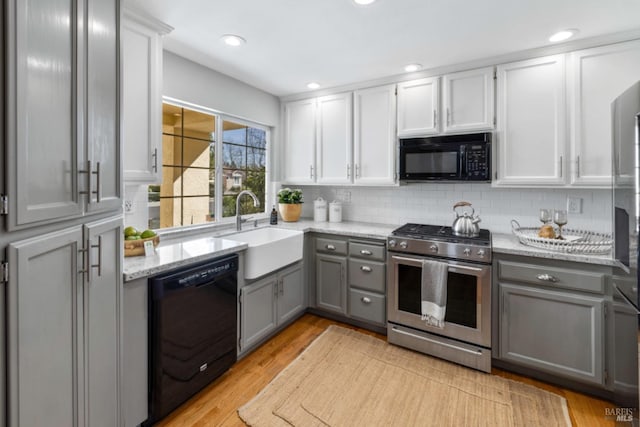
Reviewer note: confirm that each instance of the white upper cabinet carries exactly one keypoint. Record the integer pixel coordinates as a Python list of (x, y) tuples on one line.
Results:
[(374, 142), (299, 148), (599, 75), (418, 107), (467, 99), (142, 96), (334, 139), (531, 122), (63, 118)]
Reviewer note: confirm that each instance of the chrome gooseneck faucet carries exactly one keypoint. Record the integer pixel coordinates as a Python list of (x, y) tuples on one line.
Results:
[(239, 219)]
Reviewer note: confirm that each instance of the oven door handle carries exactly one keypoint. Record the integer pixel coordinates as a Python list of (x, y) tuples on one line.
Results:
[(451, 266), (444, 344)]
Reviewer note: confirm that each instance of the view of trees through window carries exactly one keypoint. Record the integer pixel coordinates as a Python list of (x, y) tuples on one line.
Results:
[(188, 193)]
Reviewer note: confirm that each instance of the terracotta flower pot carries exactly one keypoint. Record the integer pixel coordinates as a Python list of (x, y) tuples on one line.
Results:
[(290, 212)]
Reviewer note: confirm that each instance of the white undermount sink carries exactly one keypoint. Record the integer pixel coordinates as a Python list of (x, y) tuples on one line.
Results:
[(269, 249)]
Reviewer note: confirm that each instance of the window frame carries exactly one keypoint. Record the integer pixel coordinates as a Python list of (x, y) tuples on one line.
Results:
[(220, 118)]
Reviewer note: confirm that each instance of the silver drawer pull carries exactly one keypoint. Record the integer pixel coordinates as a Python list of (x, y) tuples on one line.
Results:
[(365, 268), (366, 300), (330, 247), (366, 252), (547, 278)]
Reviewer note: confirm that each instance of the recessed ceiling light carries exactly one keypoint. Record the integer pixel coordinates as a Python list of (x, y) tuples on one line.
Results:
[(562, 35), (313, 85), (363, 2), (412, 67), (233, 40)]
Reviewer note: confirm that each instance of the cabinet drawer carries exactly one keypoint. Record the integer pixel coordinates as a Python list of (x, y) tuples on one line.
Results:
[(331, 246), (556, 277), (367, 306), (368, 251), (367, 275)]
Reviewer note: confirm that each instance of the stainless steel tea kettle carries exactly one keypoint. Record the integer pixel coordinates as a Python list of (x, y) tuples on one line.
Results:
[(466, 224)]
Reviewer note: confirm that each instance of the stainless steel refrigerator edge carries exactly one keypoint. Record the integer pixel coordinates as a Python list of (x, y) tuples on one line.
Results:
[(626, 205)]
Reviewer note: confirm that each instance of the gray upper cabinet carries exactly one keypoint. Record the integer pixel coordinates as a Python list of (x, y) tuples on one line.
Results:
[(64, 293), (63, 133)]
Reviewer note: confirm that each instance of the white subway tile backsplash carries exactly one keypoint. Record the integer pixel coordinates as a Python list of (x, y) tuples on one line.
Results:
[(432, 203)]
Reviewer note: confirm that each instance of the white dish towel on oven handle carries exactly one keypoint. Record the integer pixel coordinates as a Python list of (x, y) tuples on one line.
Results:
[(434, 292)]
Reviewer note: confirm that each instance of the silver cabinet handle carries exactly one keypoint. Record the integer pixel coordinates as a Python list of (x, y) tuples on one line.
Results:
[(435, 116), (448, 117), (366, 268), (561, 166), (311, 171), (357, 171), (281, 286), (366, 300), (155, 160), (88, 172), (348, 171), (99, 247), (330, 247), (84, 251), (578, 167), (98, 193), (366, 252), (547, 278)]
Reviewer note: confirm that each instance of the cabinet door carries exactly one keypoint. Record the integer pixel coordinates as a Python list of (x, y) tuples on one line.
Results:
[(141, 98), (418, 107), (557, 332), (258, 311), (468, 100), (599, 76), (290, 294), (331, 289), (135, 357), (103, 110), (102, 321), (625, 349), (531, 122), (374, 143), (42, 112), (299, 142), (45, 330), (334, 139)]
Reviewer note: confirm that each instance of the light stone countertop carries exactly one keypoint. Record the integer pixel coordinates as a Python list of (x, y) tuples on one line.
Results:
[(176, 253), (180, 251)]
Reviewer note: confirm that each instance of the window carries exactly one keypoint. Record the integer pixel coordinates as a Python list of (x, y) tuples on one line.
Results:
[(201, 178)]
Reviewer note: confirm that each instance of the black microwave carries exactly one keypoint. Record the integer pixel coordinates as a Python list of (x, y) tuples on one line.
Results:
[(446, 158)]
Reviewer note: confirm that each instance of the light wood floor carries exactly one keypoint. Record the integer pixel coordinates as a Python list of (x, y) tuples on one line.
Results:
[(216, 405)]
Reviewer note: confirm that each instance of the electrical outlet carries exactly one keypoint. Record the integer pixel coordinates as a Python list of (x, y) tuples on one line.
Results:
[(574, 205), (128, 206)]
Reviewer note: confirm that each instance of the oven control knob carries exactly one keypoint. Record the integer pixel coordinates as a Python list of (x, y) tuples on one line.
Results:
[(403, 245), (466, 251), (481, 253), (434, 248), (392, 243)]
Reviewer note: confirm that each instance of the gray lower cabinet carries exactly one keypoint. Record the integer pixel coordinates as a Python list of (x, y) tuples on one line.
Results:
[(135, 354), (625, 349), (64, 327), (551, 318), (331, 283), (269, 303), (553, 331)]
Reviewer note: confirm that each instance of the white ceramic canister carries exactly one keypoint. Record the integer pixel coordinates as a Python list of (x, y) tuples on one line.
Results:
[(335, 211), (320, 210)]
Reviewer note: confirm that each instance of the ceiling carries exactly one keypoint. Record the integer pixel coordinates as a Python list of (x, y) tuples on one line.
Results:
[(336, 42)]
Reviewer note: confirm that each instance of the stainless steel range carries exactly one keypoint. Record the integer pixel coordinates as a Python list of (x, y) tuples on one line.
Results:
[(466, 335)]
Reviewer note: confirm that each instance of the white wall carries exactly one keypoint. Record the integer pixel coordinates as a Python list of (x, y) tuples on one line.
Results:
[(432, 203)]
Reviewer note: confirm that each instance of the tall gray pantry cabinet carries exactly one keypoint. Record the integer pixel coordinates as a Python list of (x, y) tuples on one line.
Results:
[(61, 239)]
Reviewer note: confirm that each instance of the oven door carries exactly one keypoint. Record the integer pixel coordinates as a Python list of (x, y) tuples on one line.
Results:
[(430, 162), (468, 311)]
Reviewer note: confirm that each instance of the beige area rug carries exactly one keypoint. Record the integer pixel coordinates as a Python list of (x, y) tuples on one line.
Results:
[(345, 378)]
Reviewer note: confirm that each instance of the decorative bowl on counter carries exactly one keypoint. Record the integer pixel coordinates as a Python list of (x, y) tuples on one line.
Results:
[(136, 247), (574, 241)]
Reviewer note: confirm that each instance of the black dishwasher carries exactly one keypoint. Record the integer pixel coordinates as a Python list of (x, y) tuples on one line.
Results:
[(192, 331)]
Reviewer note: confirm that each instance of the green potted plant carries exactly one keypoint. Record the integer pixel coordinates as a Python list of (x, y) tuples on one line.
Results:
[(290, 204)]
